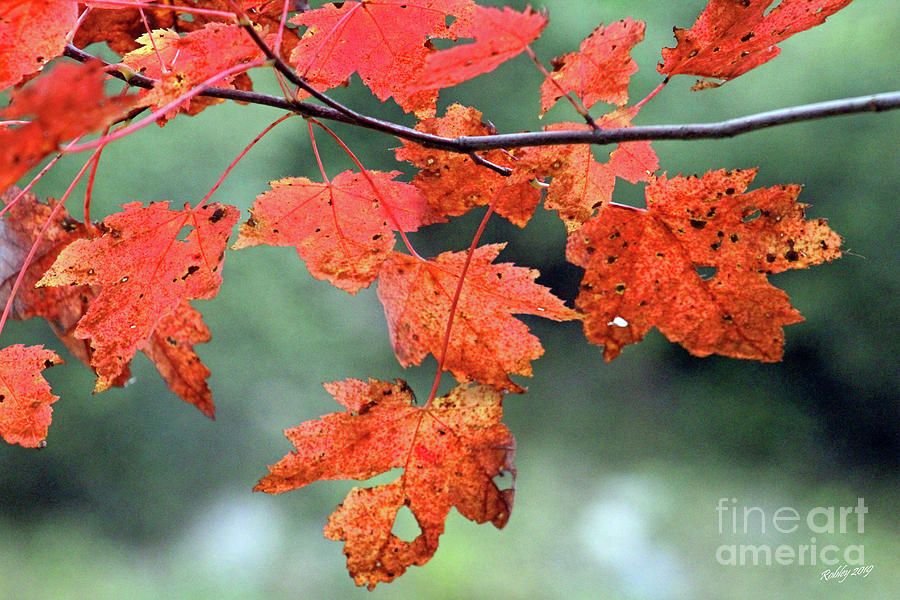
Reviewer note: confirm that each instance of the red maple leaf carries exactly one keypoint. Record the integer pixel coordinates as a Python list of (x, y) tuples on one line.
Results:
[(499, 36), (453, 184), (384, 41), (171, 348), (145, 272), (580, 185), (730, 37), (25, 396), (120, 27), (342, 228), (641, 266), (486, 343), (67, 104), (32, 33), (450, 453), (190, 60), (171, 345), (600, 70)]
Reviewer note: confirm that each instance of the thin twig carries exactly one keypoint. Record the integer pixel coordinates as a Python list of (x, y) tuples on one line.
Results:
[(466, 144)]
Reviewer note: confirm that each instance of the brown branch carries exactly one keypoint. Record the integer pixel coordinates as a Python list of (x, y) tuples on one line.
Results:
[(468, 144)]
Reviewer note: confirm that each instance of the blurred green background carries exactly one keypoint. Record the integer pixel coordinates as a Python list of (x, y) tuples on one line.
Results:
[(621, 465)]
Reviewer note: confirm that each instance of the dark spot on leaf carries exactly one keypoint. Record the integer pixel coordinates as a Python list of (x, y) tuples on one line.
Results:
[(792, 256), (611, 259), (171, 341), (770, 258), (620, 288), (217, 215), (191, 270), (728, 318), (48, 363), (733, 237), (747, 37), (698, 224)]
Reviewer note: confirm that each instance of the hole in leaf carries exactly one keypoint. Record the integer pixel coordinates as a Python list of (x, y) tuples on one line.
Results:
[(505, 481), (750, 214), (405, 526), (184, 232), (706, 273)]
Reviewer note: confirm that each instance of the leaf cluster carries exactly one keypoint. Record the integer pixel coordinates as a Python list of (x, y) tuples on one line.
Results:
[(126, 284)]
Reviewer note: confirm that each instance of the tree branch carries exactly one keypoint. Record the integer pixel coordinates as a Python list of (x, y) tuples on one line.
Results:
[(468, 144)]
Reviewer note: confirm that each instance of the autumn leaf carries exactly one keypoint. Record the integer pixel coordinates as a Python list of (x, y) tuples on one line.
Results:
[(580, 185), (499, 36), (450, 453), (189, 61), (171, 345), (120, 27), (343, 228), (730, 37), (66, 104), (171, 348), (453, 184), (645, 268), (25, 396), (32, 33), (385, 42), (145, 271), (486, 343), (600, 70)]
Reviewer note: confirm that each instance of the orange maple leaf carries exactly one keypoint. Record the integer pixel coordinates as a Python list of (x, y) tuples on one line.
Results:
[(453, 184), (171, 345), (343, 228), (641, 266), (188, 61), (486, 342), (450, 452), (60, 107), (499, 36), (171, 348), (386, 42), (25, 396), (730, 37), (580, 185), (145, 271), (32, 33), (600, 70)]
